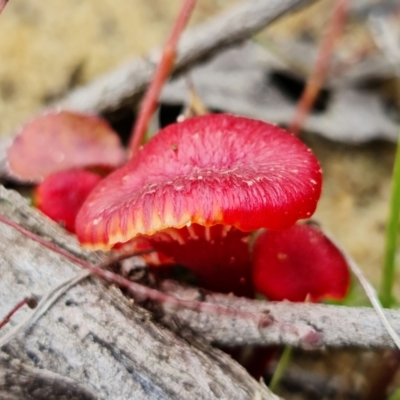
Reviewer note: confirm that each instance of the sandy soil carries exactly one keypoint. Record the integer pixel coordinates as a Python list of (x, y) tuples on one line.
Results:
[(49, 46)]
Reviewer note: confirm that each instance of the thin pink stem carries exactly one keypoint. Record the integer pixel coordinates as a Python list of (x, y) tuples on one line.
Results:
[(321, 65), (29, 301), (3, 3), (141, 291), (64, 253), (161, 74)]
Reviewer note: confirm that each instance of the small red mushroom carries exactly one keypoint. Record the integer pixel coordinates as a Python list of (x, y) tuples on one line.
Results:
[(58, 141), (61, 195), (298, 264), (204, 180)]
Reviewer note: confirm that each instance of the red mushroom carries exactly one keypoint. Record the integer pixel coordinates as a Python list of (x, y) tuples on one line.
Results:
[(61, 195), (298, 264), (204, 180), (63, 140)]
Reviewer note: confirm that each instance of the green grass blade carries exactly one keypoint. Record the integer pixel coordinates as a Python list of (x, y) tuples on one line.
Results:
[(388, 273)]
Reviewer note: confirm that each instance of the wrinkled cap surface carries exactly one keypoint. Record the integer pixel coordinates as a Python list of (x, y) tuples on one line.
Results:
[(213, 169), (299, 264), (63, 140)]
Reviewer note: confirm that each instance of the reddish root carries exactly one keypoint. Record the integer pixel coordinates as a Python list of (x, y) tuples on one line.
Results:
[(161, 74), (31, 302), (3, 4), (321, 65)]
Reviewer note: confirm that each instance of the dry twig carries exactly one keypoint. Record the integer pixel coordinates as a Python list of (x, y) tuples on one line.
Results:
[(126, 85), (305, 325)]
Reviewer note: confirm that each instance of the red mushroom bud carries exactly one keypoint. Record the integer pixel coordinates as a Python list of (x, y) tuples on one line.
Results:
[(299, 264), (58, 141), (61, 195), (218, 171)]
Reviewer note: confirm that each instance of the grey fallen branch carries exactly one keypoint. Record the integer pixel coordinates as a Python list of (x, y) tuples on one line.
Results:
[(304, 325), (125, 85), (19, 381), (241, 81), (93, 342)]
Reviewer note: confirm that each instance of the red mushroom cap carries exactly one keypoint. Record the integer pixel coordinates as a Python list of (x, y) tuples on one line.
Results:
[(297, 264), (209, 170), (61, 195), (63, 140)]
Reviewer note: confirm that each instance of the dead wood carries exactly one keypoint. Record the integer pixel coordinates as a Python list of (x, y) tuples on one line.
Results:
[(125, 85), (19, 381), (244, 80), (305, 325), (93, 335)]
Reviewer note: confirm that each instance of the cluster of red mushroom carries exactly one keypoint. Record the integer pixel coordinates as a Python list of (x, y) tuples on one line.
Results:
[(199, 192)]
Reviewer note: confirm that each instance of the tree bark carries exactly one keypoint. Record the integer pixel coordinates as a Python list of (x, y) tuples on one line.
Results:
[(93, 342), (303, 325)]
